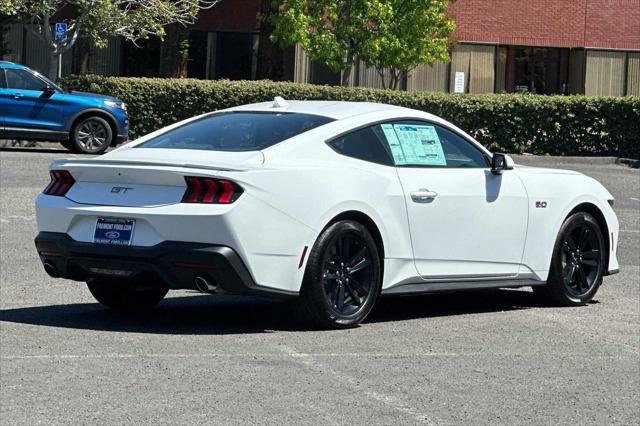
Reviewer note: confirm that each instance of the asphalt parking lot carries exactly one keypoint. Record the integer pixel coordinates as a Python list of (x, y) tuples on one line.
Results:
[(466, 358)]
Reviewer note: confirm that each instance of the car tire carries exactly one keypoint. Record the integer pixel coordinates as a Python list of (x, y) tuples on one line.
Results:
[(578, 263), (91, 135), (68, 145), (126, 295), (343, 276)]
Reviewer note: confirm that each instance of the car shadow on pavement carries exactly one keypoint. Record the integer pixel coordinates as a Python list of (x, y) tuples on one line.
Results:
[(219, 314), (60, 150), (455, 303)]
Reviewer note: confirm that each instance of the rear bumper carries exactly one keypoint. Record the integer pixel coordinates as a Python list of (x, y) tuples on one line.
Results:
[(174, 264)]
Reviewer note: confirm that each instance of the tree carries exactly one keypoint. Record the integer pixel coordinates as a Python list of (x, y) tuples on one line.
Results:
[(4, 30), (393, 35), (100, 19), (82, 56), (174, 51), (270, 60)]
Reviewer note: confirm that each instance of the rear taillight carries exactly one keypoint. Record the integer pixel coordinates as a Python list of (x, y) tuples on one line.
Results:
[(210, 191), (61, 182)]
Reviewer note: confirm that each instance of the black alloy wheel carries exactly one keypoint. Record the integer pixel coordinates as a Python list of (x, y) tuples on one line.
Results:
[(581, 258), (343, 276), (578, 262), (347, 267)]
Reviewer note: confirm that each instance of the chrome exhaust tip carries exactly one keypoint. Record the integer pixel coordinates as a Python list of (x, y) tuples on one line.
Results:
[(204, 284), (50, 269)]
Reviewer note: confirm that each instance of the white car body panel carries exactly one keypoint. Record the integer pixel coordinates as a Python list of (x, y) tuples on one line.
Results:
[(562, 190), (480, 226), (456, 234)]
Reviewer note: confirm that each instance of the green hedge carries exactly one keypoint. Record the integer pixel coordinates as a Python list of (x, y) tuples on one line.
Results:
[(557, 125)]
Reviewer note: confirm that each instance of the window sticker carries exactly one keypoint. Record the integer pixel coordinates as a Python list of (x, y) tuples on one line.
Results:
[(394, 144), (415, 145)]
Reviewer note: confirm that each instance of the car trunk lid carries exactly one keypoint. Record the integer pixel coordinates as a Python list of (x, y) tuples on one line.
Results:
[(148, 177)]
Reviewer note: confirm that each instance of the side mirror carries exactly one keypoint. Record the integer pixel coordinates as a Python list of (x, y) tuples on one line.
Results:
[(48, 91), (501, 162)]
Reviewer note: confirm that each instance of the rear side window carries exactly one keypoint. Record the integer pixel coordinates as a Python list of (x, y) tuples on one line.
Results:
[(366, 144), (237, 131)]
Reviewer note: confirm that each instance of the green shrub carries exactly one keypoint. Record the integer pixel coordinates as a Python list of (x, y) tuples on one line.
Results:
[(557, 125)]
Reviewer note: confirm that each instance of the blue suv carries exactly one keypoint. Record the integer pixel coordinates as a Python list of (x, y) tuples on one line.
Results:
[(34, 108)]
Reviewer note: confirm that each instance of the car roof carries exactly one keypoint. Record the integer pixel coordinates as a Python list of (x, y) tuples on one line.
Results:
[(7, 64), (337, 110)]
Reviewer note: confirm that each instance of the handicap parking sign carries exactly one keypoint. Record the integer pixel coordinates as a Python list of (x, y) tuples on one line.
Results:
[(61, 30)]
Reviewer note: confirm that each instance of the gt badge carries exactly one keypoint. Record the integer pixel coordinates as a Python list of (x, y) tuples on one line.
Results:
[(541, 204), (120, 189)]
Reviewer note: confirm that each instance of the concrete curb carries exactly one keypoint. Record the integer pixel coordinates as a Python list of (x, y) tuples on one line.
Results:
[(629, 162), (7, 143), (551, 159), (564, 159)]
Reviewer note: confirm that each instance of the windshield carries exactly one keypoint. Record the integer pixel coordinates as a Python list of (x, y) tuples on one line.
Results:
[(47, 81), (237, 131)]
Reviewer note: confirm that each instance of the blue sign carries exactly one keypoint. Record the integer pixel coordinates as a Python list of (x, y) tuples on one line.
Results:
[(61, 30), (114, 231)]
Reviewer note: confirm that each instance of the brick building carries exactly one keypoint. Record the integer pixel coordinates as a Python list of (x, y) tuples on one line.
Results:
[(587, 47), (555, 46)]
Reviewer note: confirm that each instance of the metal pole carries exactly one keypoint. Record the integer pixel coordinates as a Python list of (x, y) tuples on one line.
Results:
[(59, 66)]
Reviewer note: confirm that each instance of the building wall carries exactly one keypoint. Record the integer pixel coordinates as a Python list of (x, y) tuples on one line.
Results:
[(601, 41), (230, 15), (476, 61), (633, 74), (430, 78), (610, 24), (605, 75)]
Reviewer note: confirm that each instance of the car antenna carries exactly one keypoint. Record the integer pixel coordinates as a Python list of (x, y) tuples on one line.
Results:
[(279, 102)]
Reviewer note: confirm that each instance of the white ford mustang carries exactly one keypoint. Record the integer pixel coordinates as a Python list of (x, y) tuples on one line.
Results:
[(332, 202)]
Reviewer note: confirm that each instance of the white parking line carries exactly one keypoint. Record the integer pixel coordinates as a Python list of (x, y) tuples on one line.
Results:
[(630, 230), (11, 218), (634, 199), (299, 355), (389, 400)]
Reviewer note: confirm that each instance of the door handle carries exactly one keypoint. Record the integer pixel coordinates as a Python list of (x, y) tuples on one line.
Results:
[(17, 95), (423, 195)]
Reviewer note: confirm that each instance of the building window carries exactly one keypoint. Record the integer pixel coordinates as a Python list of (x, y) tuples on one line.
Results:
[(540, 70), (197, 64), (234, 54)]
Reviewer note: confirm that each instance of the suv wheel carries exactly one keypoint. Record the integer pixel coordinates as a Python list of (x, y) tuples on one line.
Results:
[(91, 135)]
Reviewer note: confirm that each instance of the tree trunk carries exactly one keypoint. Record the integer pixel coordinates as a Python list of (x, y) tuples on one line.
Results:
[(81, 56), (52, 74), (346, 73), (395, 79), (174, 52), (270, 55), (380, 72)]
